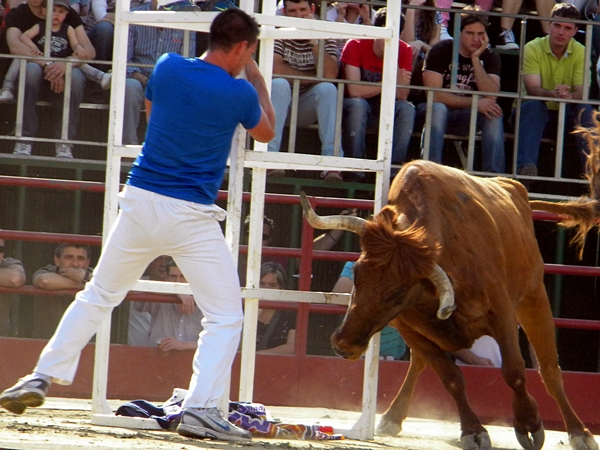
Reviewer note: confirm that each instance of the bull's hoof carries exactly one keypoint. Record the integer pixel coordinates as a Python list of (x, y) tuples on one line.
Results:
[(479, 441), (532, 441), (386, 428), (583, 441)]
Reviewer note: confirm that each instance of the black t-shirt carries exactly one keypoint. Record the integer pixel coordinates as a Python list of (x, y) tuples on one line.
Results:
[(281, 323), (439, 59), (23, 18)]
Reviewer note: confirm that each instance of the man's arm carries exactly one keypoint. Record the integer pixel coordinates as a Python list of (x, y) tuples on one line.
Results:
[(485, 82), (280, 67), (12, 276), (88, 49), (15, 45), (352, 73), (330, 62), (71, 278), (265, 130), (403, 77), (436, 80)]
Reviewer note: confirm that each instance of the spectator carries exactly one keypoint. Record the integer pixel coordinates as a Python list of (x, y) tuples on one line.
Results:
[(71, 270), (139, 321), (318, 100), (362, 60), (421, 28), (46, 77), (174, 326), (478, 70), (64, 44), (81, 6), (100, 27), (276, 328), (552, 67), (346, 12), (12, 275), (391, 344)]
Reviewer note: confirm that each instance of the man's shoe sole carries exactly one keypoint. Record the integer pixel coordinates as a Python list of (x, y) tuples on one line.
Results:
[(208, 433), (18, 404)]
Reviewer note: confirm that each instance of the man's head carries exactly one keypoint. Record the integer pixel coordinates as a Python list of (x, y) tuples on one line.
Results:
[(299, 8), (379, 20), (174, 273), (72, 255), (561, 33), (272, 276), (268, 228), (156, 270), (473, 30), (234, 34)]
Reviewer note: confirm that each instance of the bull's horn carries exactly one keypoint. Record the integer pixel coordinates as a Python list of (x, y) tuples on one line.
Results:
[(441, 282), (348, 223)]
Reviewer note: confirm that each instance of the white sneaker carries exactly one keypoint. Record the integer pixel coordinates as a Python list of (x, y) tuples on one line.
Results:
[(64, 151), (105, 82), (506, 41), (6, 94), (22, 148)]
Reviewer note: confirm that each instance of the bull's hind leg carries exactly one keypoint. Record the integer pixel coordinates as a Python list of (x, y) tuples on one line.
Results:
[(391, 421), (536, 319)]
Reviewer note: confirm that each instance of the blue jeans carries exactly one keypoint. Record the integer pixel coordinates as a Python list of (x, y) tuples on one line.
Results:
[(35, 85), (134, 101), (318, 104), (102, 36), (534, 118), (457, 120), (360, 114)]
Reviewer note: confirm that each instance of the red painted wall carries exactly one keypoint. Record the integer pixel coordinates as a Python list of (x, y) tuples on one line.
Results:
[(308, 381)]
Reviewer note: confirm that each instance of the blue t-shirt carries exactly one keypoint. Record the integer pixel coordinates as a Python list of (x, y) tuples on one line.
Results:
[(196, 107)]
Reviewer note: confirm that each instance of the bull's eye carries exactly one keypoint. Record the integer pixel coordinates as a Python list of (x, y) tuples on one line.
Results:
[(394, 297)]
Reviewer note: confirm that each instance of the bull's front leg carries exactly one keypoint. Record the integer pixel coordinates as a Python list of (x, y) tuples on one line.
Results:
[(391, 421)]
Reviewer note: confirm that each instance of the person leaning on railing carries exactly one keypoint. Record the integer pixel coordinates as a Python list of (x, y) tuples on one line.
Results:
[(12, 275), (552, 67)]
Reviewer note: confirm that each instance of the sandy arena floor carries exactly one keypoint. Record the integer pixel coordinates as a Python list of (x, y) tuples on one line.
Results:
[(64, 424)]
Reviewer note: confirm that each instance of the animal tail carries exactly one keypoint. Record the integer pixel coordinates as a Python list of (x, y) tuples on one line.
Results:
[(582, 214)]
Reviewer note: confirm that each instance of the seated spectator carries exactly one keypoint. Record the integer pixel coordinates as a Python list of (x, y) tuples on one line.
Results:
[(391, 344), (81, 6), (421, 28), (174, 326), (71, 270), (347, 12), (552, 67), (484, 352), (362, 60), (276, 328), (46, 78), (318, 100), (139, 321), (478, 70), (12, 275), (100, 27)]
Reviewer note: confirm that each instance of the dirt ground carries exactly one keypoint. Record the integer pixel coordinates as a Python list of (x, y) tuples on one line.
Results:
[(65, 424)]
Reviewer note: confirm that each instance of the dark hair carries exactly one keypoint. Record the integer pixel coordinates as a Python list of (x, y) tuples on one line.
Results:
[(266, 221), (277, 269), (380, 17), (170, 263), (231, 27), (566, 11), (468, 18), (310, 2), (60, 248)]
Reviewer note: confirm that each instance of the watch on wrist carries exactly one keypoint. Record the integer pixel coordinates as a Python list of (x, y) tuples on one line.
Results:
[(49, 63)]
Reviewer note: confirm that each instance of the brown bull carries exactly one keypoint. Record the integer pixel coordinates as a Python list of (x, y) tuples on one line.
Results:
[(480, 232)]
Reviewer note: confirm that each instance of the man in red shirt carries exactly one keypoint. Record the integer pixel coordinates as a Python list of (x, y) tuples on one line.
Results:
[(362, 60)]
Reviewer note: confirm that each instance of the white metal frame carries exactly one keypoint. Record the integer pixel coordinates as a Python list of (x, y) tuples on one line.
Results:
[(272, 27)]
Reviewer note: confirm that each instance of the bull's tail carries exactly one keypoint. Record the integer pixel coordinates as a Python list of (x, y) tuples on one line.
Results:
[(584, 213)]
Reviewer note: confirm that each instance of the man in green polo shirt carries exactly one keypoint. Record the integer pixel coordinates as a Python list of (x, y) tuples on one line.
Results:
[(552, 67)]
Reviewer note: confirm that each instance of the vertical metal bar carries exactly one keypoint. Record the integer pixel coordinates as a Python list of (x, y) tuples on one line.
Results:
[(293, 129), (426, 137), (560, 137), (472, 132), (337, 140)]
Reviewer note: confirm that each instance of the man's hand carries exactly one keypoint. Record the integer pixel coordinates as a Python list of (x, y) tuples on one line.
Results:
[(140, 77), (403, 76), (186, 307), (55, 74), (170, 343), (484, 44), (109, 17), (562, 91), (489, 108), (341, 7), (76, 274), (365, 13)]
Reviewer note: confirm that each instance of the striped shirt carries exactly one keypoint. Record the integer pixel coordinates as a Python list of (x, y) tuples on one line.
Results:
[(147, 44), (299, 55)]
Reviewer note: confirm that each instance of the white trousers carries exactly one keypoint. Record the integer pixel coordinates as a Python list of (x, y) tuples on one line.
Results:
[(150, 225)]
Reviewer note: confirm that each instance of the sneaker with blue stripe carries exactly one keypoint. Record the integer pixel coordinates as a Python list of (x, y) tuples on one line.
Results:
[(28, 392)]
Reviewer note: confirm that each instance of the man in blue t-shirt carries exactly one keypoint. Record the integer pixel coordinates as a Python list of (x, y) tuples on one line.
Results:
[(167, 208)]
